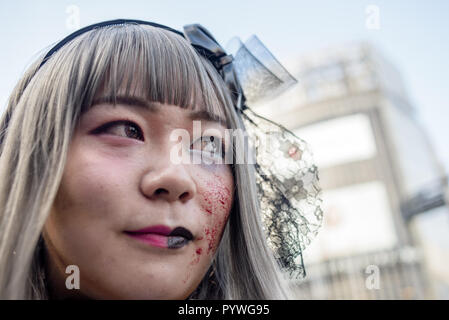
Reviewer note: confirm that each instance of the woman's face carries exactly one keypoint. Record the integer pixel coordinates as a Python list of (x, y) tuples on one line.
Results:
[(120, 179)]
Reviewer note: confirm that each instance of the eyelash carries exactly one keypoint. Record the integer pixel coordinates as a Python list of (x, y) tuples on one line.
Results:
[(109, 125)]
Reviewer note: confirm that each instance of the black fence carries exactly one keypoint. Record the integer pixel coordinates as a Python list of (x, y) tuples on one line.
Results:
[(390, 274)]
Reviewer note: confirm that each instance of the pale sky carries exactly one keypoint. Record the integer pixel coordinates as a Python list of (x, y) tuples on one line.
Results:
[(413, 35)]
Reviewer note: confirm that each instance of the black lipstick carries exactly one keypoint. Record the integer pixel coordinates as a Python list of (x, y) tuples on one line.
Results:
[(179, 237)]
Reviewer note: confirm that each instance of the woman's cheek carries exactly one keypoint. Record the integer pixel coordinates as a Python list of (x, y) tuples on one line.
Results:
[(88, 183), (216, 198), (216, 201)]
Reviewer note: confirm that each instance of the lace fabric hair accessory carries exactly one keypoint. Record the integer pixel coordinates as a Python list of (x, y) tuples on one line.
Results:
[(288, 190), (286, 176)]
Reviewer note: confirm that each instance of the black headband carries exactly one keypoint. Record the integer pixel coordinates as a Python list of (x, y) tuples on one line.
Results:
[(75, 34), (200, 39)]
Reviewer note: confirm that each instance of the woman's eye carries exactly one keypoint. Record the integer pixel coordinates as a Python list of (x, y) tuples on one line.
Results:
[(211, 145), (123, 128)]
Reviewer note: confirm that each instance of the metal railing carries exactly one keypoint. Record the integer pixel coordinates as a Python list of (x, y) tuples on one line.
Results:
[(388, 274)]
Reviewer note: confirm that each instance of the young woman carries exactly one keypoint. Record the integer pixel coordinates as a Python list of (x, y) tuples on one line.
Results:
[(89, 188)]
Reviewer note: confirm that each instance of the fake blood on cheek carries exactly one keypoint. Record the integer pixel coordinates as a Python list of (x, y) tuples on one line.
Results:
[(217, 200), (213, 234), (195, 259), (217, 197)]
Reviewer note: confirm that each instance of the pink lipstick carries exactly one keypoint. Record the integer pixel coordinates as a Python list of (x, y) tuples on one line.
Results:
[(162, 236)]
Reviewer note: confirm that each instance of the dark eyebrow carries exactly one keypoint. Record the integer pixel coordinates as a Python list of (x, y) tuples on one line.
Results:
[(154, 107)]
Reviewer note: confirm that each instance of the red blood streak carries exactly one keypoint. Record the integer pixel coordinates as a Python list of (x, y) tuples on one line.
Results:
[(198, 251), (217, 202), (217, 198), (213, 234), (196, 259)]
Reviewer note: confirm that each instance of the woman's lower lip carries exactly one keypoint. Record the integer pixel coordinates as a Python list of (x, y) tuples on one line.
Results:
[(159, 240)]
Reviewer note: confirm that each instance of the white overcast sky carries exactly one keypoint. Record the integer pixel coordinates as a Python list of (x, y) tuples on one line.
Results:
[(413, 35)]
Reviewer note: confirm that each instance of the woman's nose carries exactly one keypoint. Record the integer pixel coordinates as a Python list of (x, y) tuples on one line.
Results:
[(171, 182)]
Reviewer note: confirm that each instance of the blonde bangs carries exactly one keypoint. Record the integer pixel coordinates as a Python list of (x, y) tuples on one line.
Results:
[(149, 63)]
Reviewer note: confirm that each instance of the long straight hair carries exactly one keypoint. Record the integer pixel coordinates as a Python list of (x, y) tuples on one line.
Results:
[(36, 131)]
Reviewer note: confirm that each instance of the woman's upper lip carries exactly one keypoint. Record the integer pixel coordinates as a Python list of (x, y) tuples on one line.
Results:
[(159, 229), (165, 231)]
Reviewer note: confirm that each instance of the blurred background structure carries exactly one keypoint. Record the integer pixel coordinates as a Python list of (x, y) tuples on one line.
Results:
[(380, 177), (386, 222)]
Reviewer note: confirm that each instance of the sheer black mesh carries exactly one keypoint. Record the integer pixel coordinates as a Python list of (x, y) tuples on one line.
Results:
[(260, 74), (288, 190), (287, 177)]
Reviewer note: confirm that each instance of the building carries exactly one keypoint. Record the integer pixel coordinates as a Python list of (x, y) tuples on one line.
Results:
[(376, 165)]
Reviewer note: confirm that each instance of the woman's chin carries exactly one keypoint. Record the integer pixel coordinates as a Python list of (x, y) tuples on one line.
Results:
[(164, 288)]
